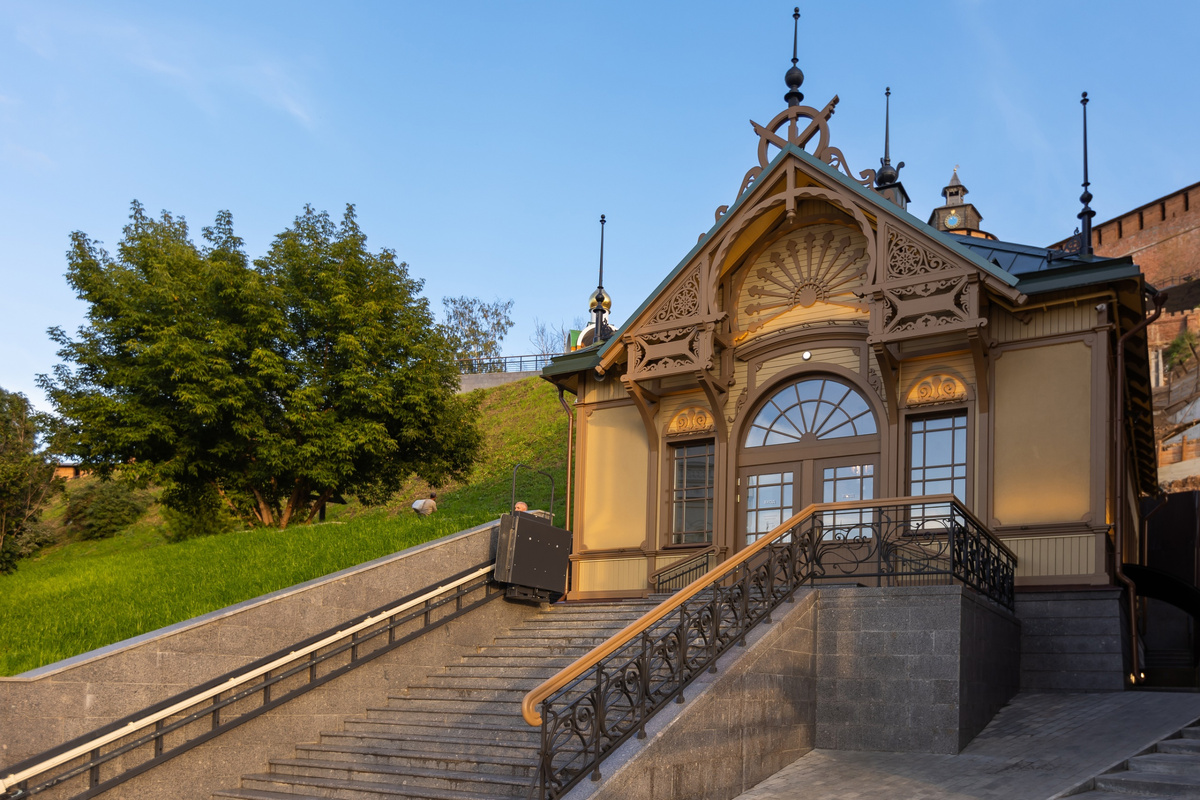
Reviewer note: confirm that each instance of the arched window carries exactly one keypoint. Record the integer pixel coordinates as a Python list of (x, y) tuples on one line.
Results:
[(811, 409)]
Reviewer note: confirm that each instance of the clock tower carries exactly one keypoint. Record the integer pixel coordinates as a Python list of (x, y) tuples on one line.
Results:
[(957, 216)]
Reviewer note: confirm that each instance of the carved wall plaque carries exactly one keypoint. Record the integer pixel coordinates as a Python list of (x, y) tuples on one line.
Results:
[(692, 419), (937, 388)]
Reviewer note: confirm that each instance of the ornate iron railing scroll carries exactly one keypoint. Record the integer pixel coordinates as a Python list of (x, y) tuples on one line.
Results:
[(104, 758), (674, 577), (591, 707)]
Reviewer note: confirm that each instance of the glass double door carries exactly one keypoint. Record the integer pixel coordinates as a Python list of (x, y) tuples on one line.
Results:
[(769, 494)]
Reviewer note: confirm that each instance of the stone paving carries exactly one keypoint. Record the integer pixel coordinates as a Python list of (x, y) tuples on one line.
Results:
[(1037, 746)]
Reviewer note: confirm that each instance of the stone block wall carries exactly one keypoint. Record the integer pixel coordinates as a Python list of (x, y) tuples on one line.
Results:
[(753, 717), (45, 707), (1071, 641), (919, 669)]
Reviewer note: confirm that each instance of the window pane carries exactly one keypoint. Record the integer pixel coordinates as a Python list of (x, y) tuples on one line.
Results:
[(692, 493), (826, 408)]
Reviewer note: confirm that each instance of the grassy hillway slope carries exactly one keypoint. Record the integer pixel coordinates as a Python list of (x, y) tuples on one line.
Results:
[(81, 595)]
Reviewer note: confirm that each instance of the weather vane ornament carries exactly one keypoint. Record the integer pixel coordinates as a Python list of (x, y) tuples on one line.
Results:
[(817, 125)]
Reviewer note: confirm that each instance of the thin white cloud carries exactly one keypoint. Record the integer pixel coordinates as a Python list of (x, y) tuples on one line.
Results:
[(26, 158), (181, 59)]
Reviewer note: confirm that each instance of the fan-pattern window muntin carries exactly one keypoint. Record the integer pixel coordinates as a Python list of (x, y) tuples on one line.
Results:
[(818, 408)]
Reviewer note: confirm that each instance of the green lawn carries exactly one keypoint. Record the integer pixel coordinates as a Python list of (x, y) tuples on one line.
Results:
[(86, 594)]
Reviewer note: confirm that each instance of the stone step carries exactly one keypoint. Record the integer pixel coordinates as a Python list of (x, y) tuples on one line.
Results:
[(459, 718), (449, 708), (1179, 746), (1167, 763), (461, 690), (1150, 783), (260, 794), (558, 639), (449, 758), (448, 787), (434, 741), (1095, 795), (493, 671), (421, 774), (1191, 733), (435, 725)]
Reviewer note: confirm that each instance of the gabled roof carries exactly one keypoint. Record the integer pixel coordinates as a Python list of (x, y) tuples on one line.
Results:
[(868, 196)]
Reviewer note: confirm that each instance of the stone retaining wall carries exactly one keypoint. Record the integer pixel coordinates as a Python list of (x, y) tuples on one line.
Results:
[(45, 707)]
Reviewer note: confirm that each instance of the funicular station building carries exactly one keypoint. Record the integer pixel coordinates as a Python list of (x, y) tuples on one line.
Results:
[(820, 344)]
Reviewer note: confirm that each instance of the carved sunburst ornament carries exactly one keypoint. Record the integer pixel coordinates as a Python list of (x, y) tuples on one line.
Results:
[(815, 267)]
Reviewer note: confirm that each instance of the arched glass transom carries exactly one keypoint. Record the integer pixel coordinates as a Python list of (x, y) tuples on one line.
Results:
[(812, 408)]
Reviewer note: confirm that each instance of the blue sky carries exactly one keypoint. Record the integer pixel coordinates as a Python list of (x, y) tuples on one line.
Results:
[(482, 142)]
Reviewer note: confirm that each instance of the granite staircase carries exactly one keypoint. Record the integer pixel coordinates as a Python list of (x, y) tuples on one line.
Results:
[(456, 735), (1169, 769)]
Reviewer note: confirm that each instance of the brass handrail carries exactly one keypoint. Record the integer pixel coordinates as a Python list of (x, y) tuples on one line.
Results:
[(529, 705)]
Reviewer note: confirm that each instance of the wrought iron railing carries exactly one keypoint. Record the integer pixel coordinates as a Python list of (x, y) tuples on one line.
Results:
[(128, 747), (529, 363), (593, 706), (674, 577)]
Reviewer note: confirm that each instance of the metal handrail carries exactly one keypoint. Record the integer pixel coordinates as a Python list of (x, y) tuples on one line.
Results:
[(592, 706), (685, 564), (154, 719), (525, 363), (572, 671)]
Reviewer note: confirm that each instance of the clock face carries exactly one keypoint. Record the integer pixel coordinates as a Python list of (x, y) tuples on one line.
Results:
[(952, 221)]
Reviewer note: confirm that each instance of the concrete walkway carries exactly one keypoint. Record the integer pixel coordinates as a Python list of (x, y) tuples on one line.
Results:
[(1037, 746)]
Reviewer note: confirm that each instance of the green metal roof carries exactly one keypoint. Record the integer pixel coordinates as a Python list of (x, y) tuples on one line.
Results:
[(568, 363), (1079, 274)]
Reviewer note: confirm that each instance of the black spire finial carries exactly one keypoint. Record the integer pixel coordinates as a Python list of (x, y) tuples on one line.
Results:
[(1085, 235), (794, 77), (887, 174), (600, 302)]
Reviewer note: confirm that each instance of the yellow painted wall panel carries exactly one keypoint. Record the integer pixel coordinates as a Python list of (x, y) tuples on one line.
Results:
[(1042, 434), (609, 389), (913, 370), (617, 574), (615, 475), (1039, 556), (1008, 327), (846, 357)]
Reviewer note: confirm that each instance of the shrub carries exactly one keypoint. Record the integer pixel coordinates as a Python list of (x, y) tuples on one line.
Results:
[(97, 510)]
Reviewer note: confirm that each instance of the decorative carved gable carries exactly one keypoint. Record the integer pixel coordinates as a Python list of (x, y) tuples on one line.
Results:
[(923, 292), (816, 272), (677, 337)]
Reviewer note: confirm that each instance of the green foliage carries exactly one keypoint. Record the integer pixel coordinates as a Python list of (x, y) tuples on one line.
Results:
[(99, 509), (26, 476), (94, 593), (1181, 349), (86, 594), (477, 328), (264, 388)]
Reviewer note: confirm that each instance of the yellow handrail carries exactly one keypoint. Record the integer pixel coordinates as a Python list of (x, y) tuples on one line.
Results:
[(529, 705)]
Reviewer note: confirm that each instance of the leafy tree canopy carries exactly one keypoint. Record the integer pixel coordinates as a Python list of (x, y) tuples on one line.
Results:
[(477, 328), (26, 476), (267, 387)]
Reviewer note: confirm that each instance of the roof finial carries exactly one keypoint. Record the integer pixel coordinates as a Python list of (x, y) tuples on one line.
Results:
[(887, 174), (794, 77), (600, 302), (1085, 235)]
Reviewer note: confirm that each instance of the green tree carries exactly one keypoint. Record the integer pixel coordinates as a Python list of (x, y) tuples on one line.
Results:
[(26, 476), (266, 387), (477, 328), (1181, 349)]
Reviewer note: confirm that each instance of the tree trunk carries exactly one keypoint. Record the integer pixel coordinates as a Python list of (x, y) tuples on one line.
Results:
[(316, 507), (299, 493), (264, 509)]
